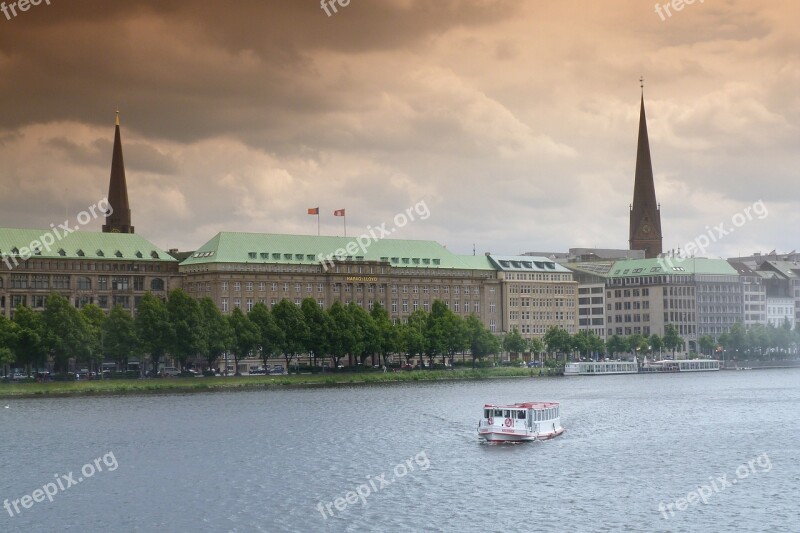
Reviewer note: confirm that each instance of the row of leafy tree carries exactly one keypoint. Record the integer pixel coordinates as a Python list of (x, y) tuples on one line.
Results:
[(587, 343), (757, 341), (188, 329)]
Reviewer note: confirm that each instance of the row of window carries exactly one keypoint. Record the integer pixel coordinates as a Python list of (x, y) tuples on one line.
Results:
[(456, 306), (82, 283)]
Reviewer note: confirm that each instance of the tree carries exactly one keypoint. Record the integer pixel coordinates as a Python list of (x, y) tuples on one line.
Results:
[(153, 328), (413, 335), (186, 321), (365, 333), (28, 342), (341, 337), (482, 342), (387, 335), (616, 344), (245, 336), (66, 333), (557, 340), (8, 333), (536, 346), (457, 336), (94, 317), (672, 341), (290, 320), (513, 342), (120, 340), (270, 335), (218, 331), (656, 343), (706, 343)]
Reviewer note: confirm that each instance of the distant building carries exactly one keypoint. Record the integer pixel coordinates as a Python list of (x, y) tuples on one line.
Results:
[(697, 295), (754, 295), (591, 278), (537, 294)]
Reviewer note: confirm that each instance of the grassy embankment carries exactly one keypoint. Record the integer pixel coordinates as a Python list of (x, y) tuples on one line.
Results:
[(204, 384)]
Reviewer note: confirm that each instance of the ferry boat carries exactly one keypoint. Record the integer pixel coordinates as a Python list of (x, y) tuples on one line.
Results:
[(601, 368), (520, 422), (682, 365)]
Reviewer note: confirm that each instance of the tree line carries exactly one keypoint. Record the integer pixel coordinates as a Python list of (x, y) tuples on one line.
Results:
[(189, 330)]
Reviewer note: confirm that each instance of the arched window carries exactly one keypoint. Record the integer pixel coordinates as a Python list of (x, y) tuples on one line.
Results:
[(84, 284), (157, 284), (1, 283)]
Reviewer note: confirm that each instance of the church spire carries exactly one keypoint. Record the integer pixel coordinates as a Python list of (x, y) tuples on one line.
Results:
[(119, 218), (645, 213)]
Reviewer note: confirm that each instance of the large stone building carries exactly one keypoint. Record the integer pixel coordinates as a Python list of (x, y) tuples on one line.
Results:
[(105, 269), (537, 294), (242, 269), (695, 295)]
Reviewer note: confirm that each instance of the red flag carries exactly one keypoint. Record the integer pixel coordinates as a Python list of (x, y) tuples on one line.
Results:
[(313, 210), (338, 213)]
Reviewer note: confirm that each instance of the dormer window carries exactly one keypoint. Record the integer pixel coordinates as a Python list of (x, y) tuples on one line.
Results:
[(99, 253), (154, 254), (138, 254), (118, 253), (61, 252), (80, 253)]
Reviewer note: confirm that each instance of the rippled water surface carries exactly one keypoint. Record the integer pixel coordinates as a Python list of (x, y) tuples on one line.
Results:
[(273, 460)]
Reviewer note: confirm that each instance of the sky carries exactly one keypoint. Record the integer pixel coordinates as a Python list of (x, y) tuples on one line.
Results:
[(514, 123)]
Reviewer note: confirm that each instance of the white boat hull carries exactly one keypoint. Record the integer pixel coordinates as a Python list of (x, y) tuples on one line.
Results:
[(499, 435)]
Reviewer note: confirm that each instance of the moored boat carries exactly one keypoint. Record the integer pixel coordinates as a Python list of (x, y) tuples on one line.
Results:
[(681, 365), (520, 422)]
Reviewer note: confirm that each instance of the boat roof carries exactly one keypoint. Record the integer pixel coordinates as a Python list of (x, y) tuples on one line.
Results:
[(526, 405)]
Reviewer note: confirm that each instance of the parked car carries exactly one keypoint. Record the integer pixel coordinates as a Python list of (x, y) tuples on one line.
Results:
[(256, 371), (534, 364), (169, 372), (277, 370)]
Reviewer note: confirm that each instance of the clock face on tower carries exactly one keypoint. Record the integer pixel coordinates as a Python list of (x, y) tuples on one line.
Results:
[(646, 228), (115, 230)]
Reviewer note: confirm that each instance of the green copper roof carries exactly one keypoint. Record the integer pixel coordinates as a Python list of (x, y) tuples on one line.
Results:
[(231, 247), (672, 265), (526, 263), (53, 243)]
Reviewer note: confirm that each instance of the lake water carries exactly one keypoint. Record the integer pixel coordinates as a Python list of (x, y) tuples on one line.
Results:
[(724, 447)]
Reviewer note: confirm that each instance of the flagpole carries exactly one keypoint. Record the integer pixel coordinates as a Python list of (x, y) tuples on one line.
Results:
[(318, 222), (344, 219)]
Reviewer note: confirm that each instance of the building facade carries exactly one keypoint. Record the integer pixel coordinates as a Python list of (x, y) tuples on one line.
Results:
[(242, 269), (537, 294), (104, 269)]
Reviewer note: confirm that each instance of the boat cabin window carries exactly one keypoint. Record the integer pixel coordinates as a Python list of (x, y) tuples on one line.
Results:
[(498, 413), (487, 413), (506, 413), (521, 415)]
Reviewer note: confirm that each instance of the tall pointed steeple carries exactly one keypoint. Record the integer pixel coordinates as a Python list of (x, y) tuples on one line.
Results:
[(118, 220), (645, 221)]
